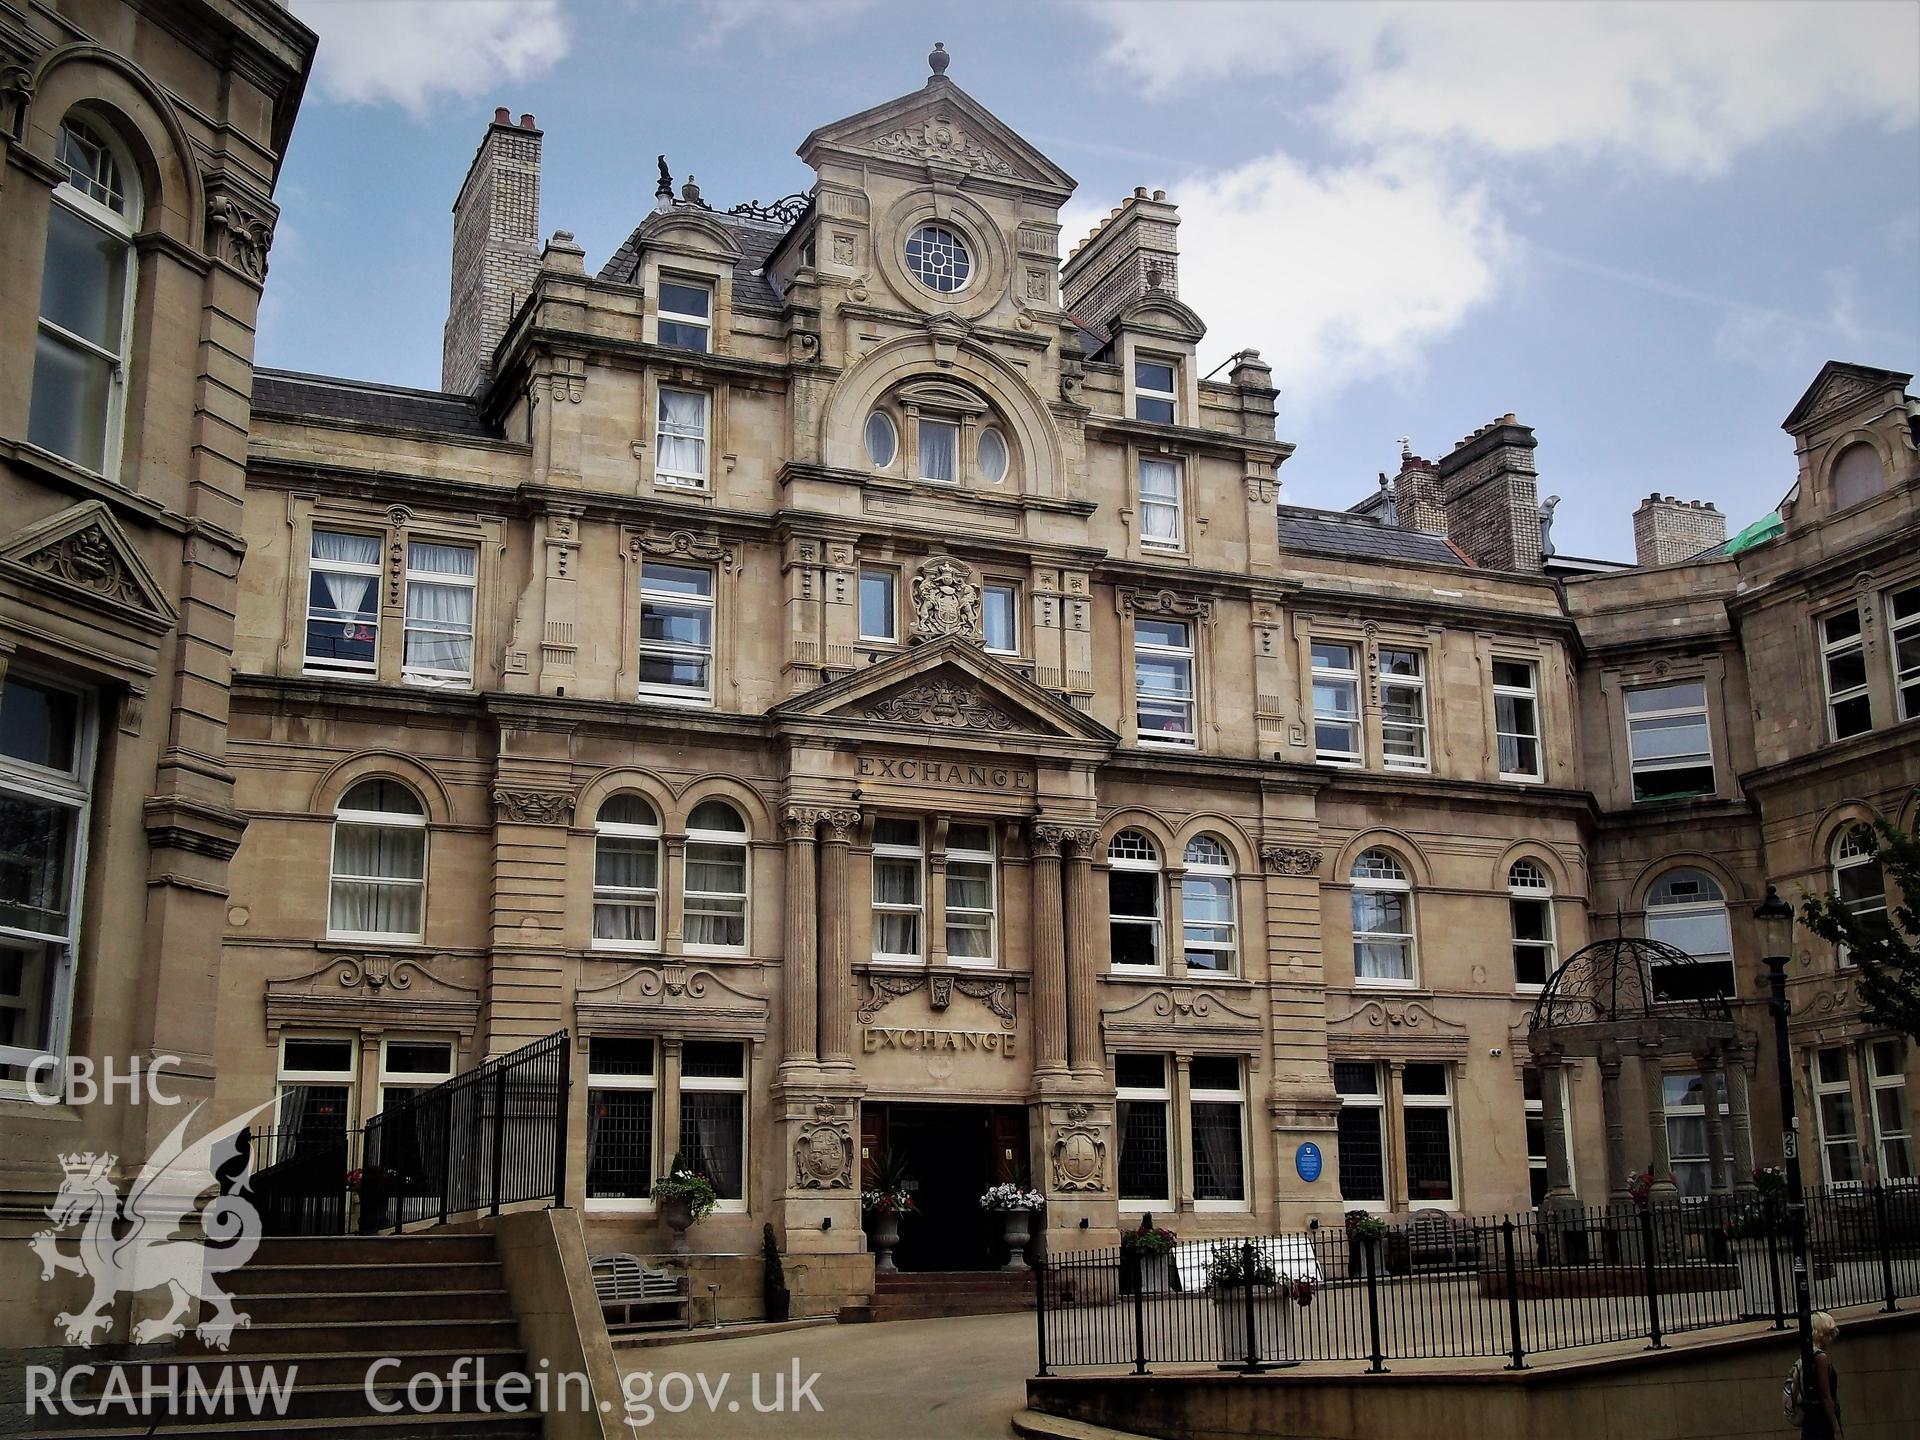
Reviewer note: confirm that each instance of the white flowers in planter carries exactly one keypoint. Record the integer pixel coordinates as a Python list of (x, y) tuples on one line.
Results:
[(1011, 1197)]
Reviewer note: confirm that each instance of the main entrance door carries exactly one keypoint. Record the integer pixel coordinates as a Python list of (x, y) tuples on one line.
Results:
[(952, 1153)]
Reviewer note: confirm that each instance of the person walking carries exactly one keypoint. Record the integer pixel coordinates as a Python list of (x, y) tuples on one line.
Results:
[(1820, 1391)]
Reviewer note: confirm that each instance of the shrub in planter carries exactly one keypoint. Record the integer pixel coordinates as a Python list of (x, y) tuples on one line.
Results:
[(775, 1298)]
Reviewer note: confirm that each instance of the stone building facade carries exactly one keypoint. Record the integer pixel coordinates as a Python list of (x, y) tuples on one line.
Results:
[(842, 663)]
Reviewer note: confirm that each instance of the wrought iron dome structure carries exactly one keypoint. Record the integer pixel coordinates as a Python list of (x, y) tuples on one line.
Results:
[(1611, 983)]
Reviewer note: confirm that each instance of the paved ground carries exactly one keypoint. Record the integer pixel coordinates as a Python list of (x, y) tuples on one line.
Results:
[(958, 1379)]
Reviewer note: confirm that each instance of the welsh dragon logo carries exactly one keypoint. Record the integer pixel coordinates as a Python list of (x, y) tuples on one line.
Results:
[(127, 1246)]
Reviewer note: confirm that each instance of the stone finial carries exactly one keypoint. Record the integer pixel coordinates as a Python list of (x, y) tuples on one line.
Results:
[(690, 192), (938, 60), (664, 190)]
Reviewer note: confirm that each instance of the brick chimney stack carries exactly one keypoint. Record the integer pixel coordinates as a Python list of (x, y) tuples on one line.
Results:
[(1492, 497), (1419, 503), (496, 249), (1666, 530), (1134, 250)]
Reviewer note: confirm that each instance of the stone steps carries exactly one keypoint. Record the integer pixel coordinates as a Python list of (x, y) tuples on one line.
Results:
[(942, 1294)]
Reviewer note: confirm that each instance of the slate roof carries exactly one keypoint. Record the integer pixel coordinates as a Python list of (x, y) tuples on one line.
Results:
[(361, 402), (1338, 532), (756, 240)]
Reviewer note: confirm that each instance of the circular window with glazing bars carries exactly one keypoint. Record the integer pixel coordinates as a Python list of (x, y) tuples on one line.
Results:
[(938, 258)]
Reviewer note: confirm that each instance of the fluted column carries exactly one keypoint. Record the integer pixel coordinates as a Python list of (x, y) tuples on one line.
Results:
[(1611, 1106), (1083, 964), (1553, 1115), (1049, 951), (836, 965), (1741, 1115), (1659, 1157), (799, 1009), (1710, 1063)]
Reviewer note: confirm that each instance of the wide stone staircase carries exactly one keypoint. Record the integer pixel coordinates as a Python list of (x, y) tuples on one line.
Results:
[(937, 1294), (326, 1308)]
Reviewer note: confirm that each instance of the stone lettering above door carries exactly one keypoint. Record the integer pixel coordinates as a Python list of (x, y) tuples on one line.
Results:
[(875, 1038), (934, 773)]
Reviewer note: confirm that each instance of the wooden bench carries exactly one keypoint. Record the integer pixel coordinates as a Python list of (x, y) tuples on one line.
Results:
[(634, 1297)]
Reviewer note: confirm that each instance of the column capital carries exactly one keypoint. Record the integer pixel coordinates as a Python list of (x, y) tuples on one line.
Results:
[(1046, 837), (799, 821), (840, 823)]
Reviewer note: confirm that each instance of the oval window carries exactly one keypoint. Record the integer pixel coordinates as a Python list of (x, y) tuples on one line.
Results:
[(938, 258), (882, 439), (993, 456)]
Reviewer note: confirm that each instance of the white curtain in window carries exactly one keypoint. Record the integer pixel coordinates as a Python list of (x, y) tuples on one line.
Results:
[(1159, 501), (347, 548), (346, 594), (683, 432), (716, 908), (377, 885), (439, 626), (939, 444), (895, 933)]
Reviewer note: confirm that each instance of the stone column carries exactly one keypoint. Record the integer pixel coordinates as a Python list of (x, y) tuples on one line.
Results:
[(1083, 964), (1710, 1063), (1659, 1158), (1049, 952), (1740, 1113), (1396, 1135), (836, 965), (799, 1007), (1613, 1108), (1554, 1118)]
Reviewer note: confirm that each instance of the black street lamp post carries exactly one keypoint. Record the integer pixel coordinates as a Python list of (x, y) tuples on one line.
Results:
[(1776, 931)]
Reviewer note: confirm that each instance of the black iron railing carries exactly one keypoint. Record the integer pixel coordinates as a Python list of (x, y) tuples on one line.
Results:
[(1464, 1287), (494, 1136)]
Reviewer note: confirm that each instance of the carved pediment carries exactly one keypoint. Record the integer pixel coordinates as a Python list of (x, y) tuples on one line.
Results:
[(1190, 1012), (693, 997), (940, 125), (1839, 387), (943, 703), (82, 554), (379, 989), (1392, 1027)]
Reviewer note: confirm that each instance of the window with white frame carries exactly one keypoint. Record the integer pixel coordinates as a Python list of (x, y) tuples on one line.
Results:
[(1892, 1125), (1687, 910), (938, 446), (439, 623), (899, 889), (883, 439), (1685, 1096), (1000, 618), (994, 459), (1162, 515), (1668, 741), (1133, 902), (1832, 1077), (1154, 396), (46, 802), (1530, 913), (1216, 1105), (680, 438), (878, 612), (970, 894), (937, 257), (1426, 1113), (626, 874), (1144, 1098), (713, 1115), (1533, 1093), (1403, 708), (1336, 703), (1382, 921), (1163, 681), (412, 1067), (1859, 880), (1363, 1134), (1903, 626), (314, 1089), (1843, 666), (343, 603), (87, 284), (622, 1088), (676, 632), (686, 315), (714, 903), (1206, 906), (379, 884), (1516, 719)]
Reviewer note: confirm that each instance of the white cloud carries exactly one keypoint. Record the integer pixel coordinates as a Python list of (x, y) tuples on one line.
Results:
[(412, 52), (1681, 88)]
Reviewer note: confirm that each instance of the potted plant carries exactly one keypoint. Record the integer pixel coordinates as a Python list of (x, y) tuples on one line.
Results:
[(1241, 1275), (1146, 1256), (377, 1187), (1364, 1234), (685, 1198), (775, 1298), (888, 1196), (1016, 1206)]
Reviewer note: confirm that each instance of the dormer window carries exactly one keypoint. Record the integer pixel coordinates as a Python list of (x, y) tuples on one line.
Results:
[(938, 259), (1153, 393), (939, 451), (686, 315)]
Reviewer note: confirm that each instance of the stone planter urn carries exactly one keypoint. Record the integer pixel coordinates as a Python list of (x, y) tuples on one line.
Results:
[(677, 1212), (884, 1231), (1757, 1293), (1272, 1323), (1019, 1233), (1152, 1273)]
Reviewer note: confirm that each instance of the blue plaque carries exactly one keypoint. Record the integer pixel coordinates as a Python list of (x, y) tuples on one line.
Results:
[(1307, 1161)]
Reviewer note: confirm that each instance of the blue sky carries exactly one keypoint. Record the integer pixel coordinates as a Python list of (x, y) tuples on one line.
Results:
[(1639, 227)]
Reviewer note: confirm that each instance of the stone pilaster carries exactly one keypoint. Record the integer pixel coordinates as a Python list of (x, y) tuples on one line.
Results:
[(1084, 1050), (1049, 952), (1660, 1158), (1710, 1063), (1616, 1122), (799, 1008), (1553, 1117), (1740, 1113), (836, 965)]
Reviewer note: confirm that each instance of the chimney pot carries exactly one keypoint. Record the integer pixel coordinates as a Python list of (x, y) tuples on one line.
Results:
[(1159, 194), (502, 115), (526, 121)]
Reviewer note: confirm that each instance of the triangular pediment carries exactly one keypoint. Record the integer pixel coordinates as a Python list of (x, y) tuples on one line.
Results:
[(83, 554), (940, 124), (1838, 387), (948, 686)]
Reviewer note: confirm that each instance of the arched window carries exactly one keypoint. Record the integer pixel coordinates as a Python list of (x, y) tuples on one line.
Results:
[(1530, 908), (883, 440), (716, 893), (379, 887), (626, 874), (1687, 910), (1857, 474), (993, 456), (86, 299), (1859, 880), (1382, 921), (1133, 901), (1206, 905), (937, 257)]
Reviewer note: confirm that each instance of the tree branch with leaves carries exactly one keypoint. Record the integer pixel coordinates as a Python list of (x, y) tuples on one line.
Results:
[(1883, 946)]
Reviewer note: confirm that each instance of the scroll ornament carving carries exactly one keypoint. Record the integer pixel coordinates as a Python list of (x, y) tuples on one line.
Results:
[(86, 559), (1050, 837), (800, 821), (1412, 1015), (1166, 602), (379, 973), (840, 824), (534, 807), (883, 990), (945, 601), (955, 707), (823, 1152), (1291, 859), (683, 545), (940, 139), (239, 233)]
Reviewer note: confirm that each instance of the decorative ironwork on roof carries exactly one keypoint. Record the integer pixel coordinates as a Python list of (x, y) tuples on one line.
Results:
[(1627, 980)]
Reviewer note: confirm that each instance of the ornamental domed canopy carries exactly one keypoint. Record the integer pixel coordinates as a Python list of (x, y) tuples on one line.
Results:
[(1629, 982)]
